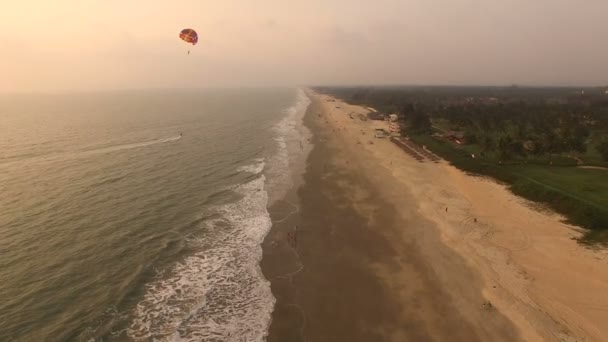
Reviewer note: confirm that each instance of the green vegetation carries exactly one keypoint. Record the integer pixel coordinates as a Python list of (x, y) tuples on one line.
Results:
[(586, 185), (602, 148), (532, 139), (582, 194)]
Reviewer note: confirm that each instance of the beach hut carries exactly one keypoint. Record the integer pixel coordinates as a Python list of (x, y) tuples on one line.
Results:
[(456, 136)]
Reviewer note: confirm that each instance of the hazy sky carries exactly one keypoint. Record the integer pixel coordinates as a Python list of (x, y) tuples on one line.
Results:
[(55, 45)]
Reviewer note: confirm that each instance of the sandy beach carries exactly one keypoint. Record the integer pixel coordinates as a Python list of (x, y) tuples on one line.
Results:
[(377, 246)]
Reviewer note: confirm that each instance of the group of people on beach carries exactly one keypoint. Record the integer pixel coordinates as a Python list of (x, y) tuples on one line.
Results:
[(292, 237)]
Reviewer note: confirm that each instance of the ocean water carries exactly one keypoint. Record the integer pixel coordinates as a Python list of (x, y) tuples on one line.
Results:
[(114, 227)]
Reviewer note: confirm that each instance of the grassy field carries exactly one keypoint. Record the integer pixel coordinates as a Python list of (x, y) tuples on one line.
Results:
[(579, 194), (589, 186)]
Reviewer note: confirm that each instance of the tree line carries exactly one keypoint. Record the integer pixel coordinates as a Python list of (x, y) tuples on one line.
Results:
[(520, 129)]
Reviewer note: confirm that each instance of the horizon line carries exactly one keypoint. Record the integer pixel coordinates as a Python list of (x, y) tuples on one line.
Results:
[(361, 85)]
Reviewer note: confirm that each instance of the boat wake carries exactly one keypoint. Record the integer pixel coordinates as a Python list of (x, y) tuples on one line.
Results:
[(51, 157), (129, 146)]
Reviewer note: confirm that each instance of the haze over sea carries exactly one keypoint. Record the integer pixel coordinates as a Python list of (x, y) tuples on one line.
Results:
[(115, 227)]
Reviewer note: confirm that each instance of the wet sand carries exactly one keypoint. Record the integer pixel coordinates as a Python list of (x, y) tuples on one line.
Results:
[(366, 263)]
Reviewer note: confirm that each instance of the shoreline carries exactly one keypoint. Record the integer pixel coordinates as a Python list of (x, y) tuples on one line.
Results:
[(280, 261)]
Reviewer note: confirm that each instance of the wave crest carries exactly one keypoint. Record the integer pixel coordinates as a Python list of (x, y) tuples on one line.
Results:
[(219, 293)]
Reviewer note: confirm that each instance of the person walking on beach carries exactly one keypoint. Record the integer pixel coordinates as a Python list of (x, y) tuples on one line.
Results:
[(446, 209)]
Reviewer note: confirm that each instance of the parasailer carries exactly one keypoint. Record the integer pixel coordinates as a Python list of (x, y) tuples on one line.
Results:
[(189, 36)]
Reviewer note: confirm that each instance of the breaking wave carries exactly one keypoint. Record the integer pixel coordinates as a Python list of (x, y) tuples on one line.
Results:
[(289, 142), (219, 292)]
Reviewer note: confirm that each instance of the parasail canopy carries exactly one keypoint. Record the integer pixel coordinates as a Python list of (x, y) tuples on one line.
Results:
[(189, 36)]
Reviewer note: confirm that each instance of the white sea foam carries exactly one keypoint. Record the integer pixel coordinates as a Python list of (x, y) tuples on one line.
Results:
[(290, 145), (219, 293), (255, 168)]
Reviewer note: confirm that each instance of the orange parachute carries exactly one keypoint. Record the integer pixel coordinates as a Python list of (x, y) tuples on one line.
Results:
[(189, 36)]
